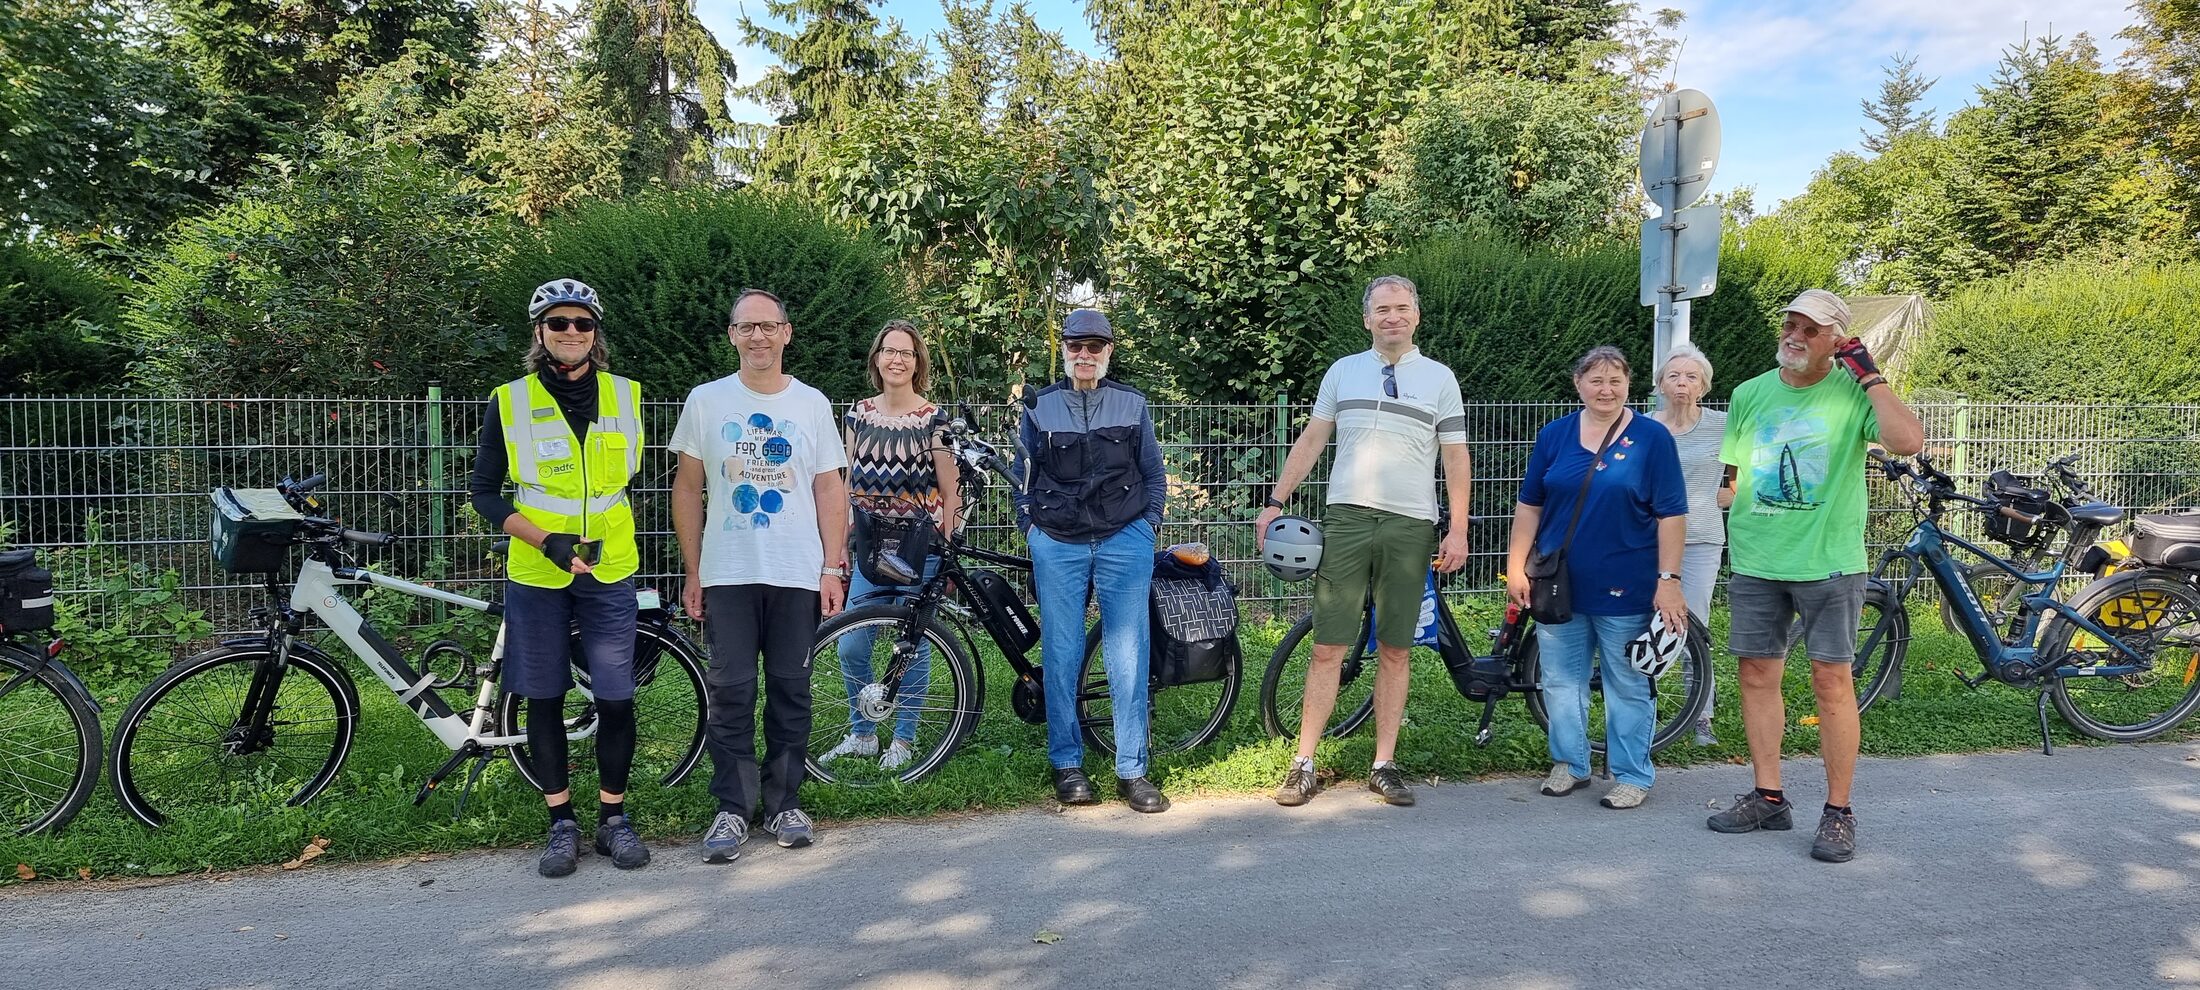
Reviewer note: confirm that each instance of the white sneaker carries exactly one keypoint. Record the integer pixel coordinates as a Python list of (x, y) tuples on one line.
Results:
[(1625, 796), (1562, 781), (897, 755), (851, 745)]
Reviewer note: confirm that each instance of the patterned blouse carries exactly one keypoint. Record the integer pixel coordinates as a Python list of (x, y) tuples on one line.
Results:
[(892, 455)]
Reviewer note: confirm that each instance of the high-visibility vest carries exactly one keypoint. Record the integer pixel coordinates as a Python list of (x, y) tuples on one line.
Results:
[(567, 484)]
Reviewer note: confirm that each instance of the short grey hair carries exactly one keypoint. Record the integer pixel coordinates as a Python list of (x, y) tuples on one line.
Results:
[(744, 297), (1367, 299), (1603, 354), (1690, 352)]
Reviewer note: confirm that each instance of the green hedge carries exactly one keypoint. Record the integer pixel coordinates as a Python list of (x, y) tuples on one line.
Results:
[(56, 309), (668, 266), (2075, 331)]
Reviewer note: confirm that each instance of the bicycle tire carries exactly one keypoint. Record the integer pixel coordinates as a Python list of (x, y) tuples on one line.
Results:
[(49, 745), (1179, 716), (1680, 695), (1882, 644), (142, 773), (671, 713), (1279, 717), (946, 721), (2122, 603)]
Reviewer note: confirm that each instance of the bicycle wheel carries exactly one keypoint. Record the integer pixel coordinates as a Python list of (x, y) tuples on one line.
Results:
[(188, 742), (670, 711), (1283, 684), (2158, 617), (1882, 643), (936, 703), (1680, 694), (1180, 716), (49, 744)]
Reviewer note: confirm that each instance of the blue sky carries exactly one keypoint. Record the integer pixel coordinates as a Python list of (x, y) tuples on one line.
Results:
[(1786, 77)]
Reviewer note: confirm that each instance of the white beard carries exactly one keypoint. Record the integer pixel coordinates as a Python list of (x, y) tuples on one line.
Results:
[(1790, 360), (1069, 361)]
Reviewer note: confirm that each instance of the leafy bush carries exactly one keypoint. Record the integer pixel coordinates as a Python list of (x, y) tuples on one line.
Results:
[(668, 266), (359, 273), (2075, 331), (57, 309)]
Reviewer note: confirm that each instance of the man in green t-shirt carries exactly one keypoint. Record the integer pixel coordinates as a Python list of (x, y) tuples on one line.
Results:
[(1795, 446)]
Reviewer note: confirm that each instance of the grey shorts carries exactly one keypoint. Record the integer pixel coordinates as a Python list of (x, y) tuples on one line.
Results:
[(1762, 614)]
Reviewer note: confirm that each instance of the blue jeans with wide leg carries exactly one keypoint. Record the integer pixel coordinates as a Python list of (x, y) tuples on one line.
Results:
[(855, 659), (1119, 571), (1565, 652)]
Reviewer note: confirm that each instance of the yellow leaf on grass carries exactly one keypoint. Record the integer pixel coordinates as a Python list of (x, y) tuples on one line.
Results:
[(23, 871), (312, 851), (83, 873), (1807, 720)]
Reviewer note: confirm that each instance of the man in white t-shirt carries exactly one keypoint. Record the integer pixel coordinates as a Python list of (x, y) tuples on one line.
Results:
[(766, 451), (1395, 412)]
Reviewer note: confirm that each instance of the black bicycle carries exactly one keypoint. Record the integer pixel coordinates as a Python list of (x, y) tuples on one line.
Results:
[(922, 672), (1510, 668), (49, 721)]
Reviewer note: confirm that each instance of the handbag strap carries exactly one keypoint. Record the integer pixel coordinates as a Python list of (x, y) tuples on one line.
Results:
[(1581, 498)]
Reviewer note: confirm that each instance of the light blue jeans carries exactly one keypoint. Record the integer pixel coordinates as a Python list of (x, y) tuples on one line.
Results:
[(1567, 652), (1067, 576), (855, 661)]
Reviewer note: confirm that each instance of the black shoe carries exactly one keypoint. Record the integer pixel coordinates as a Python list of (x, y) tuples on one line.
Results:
[(1071, 786), (1141, 794), (615, 838), (563, 852), (1391, 784), (1752, 812), (1836, 842)]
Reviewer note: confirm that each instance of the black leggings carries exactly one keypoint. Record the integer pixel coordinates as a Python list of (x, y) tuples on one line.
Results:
[(614, 743)]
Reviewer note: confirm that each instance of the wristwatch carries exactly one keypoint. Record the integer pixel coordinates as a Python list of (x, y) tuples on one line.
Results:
[(1668, 576), (1276, 503), (839, 570)]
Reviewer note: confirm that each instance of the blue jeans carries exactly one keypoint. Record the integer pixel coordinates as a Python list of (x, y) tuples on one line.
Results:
[(1566, 652), (855, 660), (1066, 576)]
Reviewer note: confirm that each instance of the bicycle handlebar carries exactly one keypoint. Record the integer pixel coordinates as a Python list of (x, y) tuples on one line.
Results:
[(369, 539)]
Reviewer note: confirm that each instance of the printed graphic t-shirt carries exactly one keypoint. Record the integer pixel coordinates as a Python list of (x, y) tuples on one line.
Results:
[(1799, 499), (760, 453)]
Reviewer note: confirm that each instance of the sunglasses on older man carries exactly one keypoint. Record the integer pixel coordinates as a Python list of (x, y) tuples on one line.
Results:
[(1085, 345)]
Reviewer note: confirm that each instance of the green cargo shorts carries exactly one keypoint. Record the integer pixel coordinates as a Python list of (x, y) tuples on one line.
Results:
[(1364, 548)]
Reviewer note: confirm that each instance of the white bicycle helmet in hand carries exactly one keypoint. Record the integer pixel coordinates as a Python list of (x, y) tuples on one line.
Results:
[(1293, 548), (1657, 649)]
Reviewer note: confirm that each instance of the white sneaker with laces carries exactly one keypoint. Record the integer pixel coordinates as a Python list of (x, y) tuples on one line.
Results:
[(897, 755), (851, 745)]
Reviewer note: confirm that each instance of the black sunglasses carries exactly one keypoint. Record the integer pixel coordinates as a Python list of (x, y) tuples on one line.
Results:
[(1085, 345), (1390, 380), (560, 324)]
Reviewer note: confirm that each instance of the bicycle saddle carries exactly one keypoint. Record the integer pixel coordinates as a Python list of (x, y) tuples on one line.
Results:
[(2097, 513)]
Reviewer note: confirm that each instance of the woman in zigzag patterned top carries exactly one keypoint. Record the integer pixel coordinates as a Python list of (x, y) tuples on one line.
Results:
[(897, 465)]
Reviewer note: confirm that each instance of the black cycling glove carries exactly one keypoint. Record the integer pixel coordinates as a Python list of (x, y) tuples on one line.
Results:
[(564, 548)]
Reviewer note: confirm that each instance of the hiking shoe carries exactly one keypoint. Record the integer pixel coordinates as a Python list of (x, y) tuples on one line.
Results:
[(792, 827), (1704, 735), (897, 755), (1752, 812), (1836, 841), (850, 745), (1299, 785), (562, 853), (722, 844), (1562, 781), (615, 838), (1391, 784), (1624, 796)]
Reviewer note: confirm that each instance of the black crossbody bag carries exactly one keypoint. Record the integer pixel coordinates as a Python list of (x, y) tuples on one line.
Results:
[(1550, 587)]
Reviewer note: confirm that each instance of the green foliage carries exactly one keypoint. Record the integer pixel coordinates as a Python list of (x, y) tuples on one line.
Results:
[(661, 78), (668, 266), (2070, 332), (838, 59), (1895, 108), (128, 621), (2162, 67), (360, 272), (58, 311)]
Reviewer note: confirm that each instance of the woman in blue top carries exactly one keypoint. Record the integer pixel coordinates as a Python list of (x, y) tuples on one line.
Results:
[(1624, 561)]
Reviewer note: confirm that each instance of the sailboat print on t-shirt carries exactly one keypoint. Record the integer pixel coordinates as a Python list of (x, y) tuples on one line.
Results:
[(1789, 465)]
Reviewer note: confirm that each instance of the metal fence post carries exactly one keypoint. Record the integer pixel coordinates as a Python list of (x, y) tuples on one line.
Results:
[(437, 505), (1283, 433), (1962, 434)]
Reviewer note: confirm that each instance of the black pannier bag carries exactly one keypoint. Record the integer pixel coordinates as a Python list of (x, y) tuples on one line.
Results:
[(2167, 540), (1194, 630), (253, 530), (2006, 489), (26, 592)]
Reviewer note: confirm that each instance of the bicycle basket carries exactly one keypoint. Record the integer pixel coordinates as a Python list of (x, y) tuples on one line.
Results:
[(26, 592), (253, 529), (2006, 489), (891, 549)]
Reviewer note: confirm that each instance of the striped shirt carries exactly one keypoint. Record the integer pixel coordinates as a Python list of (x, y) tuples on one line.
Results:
[(1386, 446), (1702, 471)]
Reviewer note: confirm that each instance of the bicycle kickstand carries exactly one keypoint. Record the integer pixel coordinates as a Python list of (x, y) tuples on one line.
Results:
[(427, 787), (2047, 742), (1482, 731), (473, 776)]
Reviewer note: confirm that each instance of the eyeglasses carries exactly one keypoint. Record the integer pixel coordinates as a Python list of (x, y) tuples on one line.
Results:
[(1809, 330), (897, 352), (576, 324), (1085, 345), (757, 328), (1390, 380)]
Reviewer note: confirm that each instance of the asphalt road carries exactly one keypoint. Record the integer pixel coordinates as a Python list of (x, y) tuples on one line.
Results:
[(1995, 871)]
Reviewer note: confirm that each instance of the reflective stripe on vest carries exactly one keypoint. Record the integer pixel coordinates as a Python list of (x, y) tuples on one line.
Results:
[(568, 483)]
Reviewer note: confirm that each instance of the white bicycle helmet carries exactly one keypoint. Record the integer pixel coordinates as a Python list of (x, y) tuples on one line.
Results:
[(1657, 649), (1293, 548), (563, 292)]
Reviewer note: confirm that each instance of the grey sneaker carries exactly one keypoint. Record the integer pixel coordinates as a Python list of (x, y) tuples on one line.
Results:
[(722, 844), (1752, 812), (1836, 842), (616, 838), (1624, 796), (1562, 781), (563, 852), (792, 827), (1299, 785), (1704, 735), (1391, 784)]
